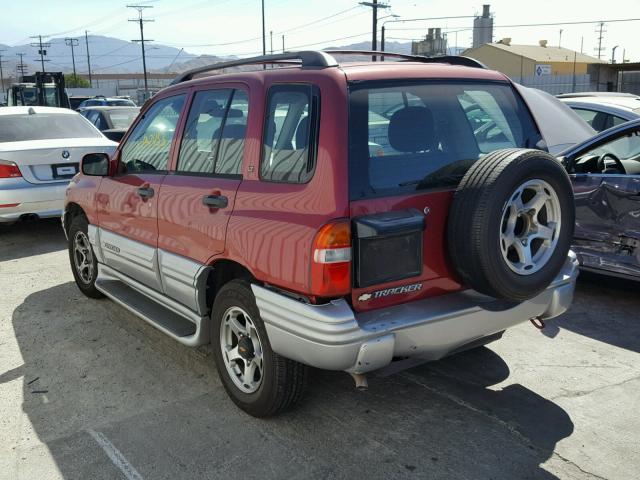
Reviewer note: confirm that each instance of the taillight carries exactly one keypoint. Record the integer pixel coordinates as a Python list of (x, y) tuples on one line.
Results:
[(9, 170), (331, 260)]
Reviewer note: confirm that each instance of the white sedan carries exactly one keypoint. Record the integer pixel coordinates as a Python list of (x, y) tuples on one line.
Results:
[(40, 151)]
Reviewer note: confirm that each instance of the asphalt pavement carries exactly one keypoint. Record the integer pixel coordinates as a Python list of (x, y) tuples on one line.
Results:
[(89, 391)]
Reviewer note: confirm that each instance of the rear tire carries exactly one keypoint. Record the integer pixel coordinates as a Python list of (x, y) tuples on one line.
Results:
[(82, 258), (237, 329), (511, 223)]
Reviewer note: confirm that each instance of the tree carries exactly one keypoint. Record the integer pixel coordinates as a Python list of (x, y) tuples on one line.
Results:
[(76, 81)]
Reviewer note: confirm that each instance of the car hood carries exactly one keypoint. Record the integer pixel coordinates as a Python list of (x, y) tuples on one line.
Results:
[(560, 126)]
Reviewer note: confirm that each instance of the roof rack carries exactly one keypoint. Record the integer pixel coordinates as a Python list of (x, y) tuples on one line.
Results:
[(450, 59), (314, 59), (307, 58)]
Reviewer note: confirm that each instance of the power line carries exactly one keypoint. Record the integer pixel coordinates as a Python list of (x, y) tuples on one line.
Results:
[(141, 21)]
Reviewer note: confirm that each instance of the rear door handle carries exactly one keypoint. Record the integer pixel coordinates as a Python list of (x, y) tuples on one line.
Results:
[(215, 201), (146, 192)]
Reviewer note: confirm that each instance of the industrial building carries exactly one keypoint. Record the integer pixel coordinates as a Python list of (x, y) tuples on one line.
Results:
[(531, 60), (435, 43)]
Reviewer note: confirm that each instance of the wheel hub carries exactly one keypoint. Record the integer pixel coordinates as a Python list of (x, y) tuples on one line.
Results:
[(530, 226), (245, 348)]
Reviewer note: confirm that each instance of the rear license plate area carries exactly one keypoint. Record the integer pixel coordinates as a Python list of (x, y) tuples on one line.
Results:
[(388, 247), (64, 170)]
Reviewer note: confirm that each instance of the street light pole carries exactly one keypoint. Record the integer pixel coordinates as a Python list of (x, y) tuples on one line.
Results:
[(374, 33), (613, 54)]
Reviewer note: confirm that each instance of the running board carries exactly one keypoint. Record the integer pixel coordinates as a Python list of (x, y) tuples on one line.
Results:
[(167, 315)]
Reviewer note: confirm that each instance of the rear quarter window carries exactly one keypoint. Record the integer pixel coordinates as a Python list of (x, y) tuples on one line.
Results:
[(419, 135)]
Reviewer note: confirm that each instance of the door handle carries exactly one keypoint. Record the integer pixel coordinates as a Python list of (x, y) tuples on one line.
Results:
[(215, 201), (146, 192)]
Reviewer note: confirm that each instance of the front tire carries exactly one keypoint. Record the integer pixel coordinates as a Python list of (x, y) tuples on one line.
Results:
[(82, 258), (258, 380)]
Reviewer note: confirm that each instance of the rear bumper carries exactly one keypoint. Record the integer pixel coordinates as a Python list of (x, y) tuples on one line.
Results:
[(333, 337), (42, 200)]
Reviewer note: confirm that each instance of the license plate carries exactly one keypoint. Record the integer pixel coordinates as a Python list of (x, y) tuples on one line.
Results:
[(65, 171)]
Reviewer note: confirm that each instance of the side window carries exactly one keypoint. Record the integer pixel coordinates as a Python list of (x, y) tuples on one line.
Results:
[(610, 158), (586, 115), (148, 146), (201, 138), (231, 149), (91, 116), (99, 122), (288, 153)]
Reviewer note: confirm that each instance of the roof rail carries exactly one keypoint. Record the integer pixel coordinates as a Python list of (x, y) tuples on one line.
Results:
[(322, 59), (450, 59), (308, 59)]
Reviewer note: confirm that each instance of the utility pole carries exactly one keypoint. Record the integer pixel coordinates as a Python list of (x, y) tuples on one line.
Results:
[(86, 41), (374, 38), (1, 73), (21, 67), (142, 21), (282, 43), (72, 42), (600, 31), (264, 37), (41, 49), (271, 37)]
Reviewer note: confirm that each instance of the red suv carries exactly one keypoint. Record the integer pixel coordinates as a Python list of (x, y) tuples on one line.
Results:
[(340, 216)]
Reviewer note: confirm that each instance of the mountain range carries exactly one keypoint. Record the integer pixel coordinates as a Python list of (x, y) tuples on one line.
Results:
[(113, 55)]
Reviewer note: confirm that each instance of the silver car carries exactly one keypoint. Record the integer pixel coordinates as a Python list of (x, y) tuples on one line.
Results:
[(40, 150)]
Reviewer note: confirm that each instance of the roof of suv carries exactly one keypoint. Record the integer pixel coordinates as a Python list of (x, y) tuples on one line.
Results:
[(317, 62)]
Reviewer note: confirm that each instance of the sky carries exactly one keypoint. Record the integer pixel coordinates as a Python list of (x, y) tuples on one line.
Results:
[(233, 27)]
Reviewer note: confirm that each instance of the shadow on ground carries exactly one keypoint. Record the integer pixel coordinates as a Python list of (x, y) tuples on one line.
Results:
[(29, 238), (88, 364), (617, 304)]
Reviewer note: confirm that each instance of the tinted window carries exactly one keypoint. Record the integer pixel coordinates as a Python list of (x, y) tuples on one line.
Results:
[(290, 134), (586, 115), (122, 118), (411, 136), (44, 126), (231, 148), (148, 146), (199, 144)]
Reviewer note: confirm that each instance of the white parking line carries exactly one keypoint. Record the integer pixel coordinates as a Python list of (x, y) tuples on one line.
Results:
[(115, 456)]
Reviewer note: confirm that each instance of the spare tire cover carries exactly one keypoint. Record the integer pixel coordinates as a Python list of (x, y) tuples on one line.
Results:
[(511, 223)]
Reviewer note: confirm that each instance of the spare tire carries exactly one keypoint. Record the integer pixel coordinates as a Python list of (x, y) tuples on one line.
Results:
[(511, 223)]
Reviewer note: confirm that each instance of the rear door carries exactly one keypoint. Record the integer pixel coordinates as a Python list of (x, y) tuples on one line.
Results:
[(127, 203), (197, 197), (410, 144)]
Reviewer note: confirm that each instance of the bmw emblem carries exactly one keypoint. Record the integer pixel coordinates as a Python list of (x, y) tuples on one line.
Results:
[(65, 154)]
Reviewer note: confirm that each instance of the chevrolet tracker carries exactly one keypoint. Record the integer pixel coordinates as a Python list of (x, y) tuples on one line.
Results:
[(338, 216)]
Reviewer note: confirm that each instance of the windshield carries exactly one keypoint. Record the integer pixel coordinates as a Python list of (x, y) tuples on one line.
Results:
[(411, 136), (123, 118), (44, 126)]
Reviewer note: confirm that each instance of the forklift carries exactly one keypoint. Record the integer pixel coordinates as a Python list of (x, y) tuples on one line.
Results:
[(45, 89)]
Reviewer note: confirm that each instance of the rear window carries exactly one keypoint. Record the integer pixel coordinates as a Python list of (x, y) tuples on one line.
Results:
[(45, 126), (120, 103), (414, 136)]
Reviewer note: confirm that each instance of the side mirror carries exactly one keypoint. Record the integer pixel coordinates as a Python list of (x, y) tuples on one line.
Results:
[(95, 164)]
